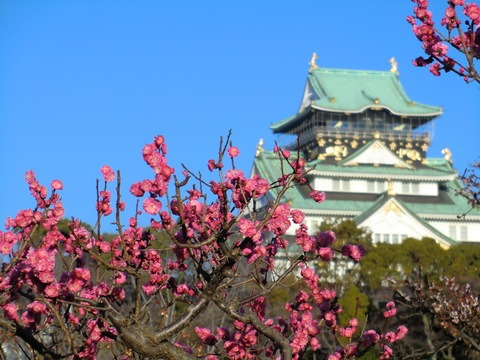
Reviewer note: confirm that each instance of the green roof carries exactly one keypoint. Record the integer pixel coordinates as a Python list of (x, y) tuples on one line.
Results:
[(370, 171), (268, 166), (354, 91)]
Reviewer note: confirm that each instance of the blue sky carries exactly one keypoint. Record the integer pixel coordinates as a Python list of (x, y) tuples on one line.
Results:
[(88, 83)]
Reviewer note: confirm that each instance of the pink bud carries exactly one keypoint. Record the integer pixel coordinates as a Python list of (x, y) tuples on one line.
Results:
[(57, 185)]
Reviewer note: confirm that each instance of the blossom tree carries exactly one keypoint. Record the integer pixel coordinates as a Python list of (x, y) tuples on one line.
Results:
[(451, 309), (76, 294), (471, 181), (459, 30)]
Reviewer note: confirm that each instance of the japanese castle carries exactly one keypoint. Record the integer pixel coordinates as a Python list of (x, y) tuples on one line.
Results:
[(367, 142)]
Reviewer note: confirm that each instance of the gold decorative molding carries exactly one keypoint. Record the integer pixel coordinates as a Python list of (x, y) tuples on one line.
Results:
[(390, 190), (409, 153), (337, 152), (391, 206)]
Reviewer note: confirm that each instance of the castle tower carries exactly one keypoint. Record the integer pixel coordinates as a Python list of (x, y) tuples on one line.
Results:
[(367, 142)]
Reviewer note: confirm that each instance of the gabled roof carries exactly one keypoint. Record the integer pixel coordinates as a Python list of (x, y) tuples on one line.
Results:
[(388, 203), (375, 152), (354, 91)]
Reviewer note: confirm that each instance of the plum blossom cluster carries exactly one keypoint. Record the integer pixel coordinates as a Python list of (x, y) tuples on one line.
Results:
[(471, 182), (36, 295), (240, 343), (453, 306), (143, 291), (436, 44), (370, 338)]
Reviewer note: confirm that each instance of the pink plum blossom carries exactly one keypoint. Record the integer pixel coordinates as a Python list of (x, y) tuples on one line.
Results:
[(56, 185), (354, 252), (233, 151), (472, 10), (107, 173), (152, 206), (318, 196), (391, 310), (206, 335)]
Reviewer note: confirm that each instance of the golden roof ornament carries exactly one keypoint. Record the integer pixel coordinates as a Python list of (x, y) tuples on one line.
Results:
[(259, 148), (448, 154), (394, 67), (313, 63)]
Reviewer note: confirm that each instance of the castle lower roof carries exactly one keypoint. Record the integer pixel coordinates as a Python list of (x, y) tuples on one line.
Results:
[(448, 205)]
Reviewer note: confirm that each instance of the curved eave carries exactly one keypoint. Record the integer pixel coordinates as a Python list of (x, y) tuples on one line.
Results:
[(290, 122), (376, 106), (449, 217), (320, 212), (412, 177)]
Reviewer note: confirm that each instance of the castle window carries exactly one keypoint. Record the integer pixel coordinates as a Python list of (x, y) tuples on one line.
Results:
[(336, 185), (386, 238), (395, 239), (463, 233), (370, 186), (378, 238), (410, 188), (374, 186), (452, 231), (415, 188), (380, 186), (341, 185)]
